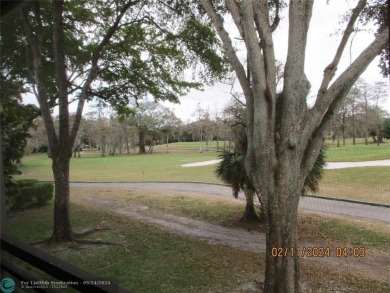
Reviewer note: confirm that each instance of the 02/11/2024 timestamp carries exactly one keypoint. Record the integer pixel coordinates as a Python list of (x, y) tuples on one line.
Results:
[(317, 251)]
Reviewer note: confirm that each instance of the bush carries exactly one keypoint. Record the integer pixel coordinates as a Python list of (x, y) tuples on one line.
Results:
[(26, 182), (43, 192), (30, 190), (43, 149)]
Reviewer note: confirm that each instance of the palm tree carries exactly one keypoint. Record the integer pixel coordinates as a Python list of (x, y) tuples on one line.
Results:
[(231, 170), (315, 175)]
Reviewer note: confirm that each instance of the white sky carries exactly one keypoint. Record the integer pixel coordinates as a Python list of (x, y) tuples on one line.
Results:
[(321, 47)]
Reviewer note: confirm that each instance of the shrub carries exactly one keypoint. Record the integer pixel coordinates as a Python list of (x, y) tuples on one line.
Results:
[(30, 190), (26, 182), (44, 192)]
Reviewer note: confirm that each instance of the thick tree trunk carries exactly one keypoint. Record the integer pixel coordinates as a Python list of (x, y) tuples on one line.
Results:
[(62, 229), (282, 273), (282, 262)]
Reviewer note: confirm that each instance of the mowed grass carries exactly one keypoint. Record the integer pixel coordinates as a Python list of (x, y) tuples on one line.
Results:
[(367, 184), (150, 167), (357, 153), (370, 184), (151, 259), (214, 209), (154, 260)]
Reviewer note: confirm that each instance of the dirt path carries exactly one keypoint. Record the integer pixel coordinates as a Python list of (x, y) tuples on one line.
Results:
[(210, 233), (371, 266)]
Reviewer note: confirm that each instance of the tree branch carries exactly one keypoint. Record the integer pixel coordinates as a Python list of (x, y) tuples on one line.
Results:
[(328, 103), (35, 40), (228, 48), (61, 77), (293, 101), (275, 24), (265, 33), (331, 69), (94, 67), (300, 13), (236, 13)]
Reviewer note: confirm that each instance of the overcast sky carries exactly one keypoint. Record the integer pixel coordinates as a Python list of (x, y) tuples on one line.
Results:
[(321, 47)]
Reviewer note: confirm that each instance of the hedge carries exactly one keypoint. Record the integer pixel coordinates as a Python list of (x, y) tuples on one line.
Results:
[(30, 190)]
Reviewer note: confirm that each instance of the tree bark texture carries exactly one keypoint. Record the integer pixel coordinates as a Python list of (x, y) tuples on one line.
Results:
[(62, 231), (284, 135)]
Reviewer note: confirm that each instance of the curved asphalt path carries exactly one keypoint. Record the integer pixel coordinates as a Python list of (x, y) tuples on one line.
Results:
[(309, 204)]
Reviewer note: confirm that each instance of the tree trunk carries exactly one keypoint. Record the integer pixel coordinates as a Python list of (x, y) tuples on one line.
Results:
[(141, 143), (201, 139), (250, 212), (353, 123), (366, 121), (282, 272), (127, 146), (62, 229), (103, 147), (343, 127)]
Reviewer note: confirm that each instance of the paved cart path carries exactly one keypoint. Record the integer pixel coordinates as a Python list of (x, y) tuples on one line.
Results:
[(309, 204), (330, 165)]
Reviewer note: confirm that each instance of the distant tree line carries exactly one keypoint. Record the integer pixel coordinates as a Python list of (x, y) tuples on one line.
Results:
[(361, 115), (151, 123)]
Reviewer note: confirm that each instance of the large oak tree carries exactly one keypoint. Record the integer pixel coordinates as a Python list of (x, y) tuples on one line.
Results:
[(284, 135)]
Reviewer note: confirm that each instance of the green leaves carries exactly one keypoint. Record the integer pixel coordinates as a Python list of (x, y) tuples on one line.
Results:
[(15, 120), (153, 46), (377, 12), (201, 39), (231, 170)]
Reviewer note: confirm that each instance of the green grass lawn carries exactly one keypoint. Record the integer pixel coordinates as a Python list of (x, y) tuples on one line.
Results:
[(358, 152), (367, 184), (133, 167), (154, 260)]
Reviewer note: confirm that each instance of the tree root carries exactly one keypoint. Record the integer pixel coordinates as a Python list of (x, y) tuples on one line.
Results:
[(76, 239), (100, 242), (89, 231)]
